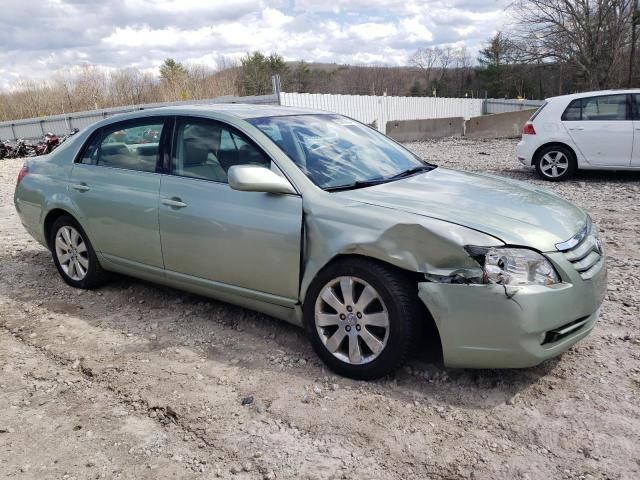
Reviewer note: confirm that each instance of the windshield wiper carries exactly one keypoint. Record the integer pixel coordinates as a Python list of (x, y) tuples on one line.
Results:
[(412, 171), (356, 184)]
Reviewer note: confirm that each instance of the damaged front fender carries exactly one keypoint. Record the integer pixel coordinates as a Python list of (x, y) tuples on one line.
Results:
[(408, 241)]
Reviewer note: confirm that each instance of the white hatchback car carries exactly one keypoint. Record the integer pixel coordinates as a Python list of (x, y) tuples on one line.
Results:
[(591, 131)]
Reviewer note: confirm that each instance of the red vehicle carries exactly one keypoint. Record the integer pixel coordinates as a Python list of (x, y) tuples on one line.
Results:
[(51, 141)]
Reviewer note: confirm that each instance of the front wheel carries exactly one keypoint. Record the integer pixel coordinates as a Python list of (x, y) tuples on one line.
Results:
[(361, 316), (555, 163)]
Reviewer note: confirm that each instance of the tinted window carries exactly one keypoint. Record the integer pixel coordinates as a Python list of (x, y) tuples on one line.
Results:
[(606, 107), (90, 154), (207, 150), (637, 106), (130, 147)]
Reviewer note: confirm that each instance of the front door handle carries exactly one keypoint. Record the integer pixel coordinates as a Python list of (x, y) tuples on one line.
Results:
[(81, 187), (576, 128), (174, 202)]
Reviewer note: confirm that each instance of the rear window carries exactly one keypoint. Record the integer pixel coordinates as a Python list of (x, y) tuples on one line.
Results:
[(604, 107)]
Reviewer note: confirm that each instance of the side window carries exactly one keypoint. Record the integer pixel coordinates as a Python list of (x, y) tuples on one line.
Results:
[(636, 98), (605, 107), (207, 150), (90, 154), (573, 111), (133, 147)]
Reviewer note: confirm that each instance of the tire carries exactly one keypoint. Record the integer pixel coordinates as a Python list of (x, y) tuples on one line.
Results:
[(378, 350), (555, 163), (82, 270)]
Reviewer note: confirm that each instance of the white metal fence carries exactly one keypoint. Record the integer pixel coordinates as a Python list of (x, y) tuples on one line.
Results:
[(497, 105), (373, 110), (379, 110), (32, 128)]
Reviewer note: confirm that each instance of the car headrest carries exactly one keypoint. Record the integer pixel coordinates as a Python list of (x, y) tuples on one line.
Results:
[(195, 152), (109, 149), (147, 150)]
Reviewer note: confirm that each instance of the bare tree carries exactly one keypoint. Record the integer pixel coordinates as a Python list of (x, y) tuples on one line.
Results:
[(426, 60), (592, 35), (635, 23), (462, 70)]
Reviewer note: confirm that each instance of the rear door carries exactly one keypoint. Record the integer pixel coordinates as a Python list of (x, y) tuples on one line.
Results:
[(231, 239), (115, 186), (601, 128), (635, 155)]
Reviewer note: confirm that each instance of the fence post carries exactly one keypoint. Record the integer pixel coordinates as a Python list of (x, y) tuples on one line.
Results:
[(275, 83), (13, 132)]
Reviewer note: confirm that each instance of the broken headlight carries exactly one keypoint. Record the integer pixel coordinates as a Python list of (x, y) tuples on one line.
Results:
[(514, 266)]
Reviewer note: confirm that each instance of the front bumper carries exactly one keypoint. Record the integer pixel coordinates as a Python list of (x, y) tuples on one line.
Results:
[(488, 326)]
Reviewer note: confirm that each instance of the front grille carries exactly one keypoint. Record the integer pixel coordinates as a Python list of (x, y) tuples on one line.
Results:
[(587, 255), (559, 333)]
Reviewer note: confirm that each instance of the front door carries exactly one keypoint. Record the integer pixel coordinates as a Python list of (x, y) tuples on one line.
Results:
[(115, 187), (244, 240), (601, 128)]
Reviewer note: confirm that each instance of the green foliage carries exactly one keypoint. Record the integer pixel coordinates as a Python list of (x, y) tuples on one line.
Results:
[(299, 79), (416, 90), (257, 70), (171, 71), (492, 59)]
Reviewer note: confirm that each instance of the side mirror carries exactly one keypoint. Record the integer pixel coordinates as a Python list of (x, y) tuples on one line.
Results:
[(254, 178)]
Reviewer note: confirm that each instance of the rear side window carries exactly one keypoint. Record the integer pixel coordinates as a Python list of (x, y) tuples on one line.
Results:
[(90, 154), (605, 107), (131, 147), (636, 99)]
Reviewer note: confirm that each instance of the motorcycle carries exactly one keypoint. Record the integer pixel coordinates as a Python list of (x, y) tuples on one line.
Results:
[(6, 150), (23, 149), (51, 141), (67, 137)]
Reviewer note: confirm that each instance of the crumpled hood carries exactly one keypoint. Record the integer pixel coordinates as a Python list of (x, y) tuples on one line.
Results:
[(515, 212)]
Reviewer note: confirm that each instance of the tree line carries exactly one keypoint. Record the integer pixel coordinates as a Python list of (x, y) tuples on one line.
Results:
[(554, 47)]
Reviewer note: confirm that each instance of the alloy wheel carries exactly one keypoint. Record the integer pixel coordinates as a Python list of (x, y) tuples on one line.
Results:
[(554, 164), (352, 320), (71, 252)]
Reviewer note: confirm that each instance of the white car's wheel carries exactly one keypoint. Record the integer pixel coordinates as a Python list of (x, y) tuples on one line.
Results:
[(555, 163)]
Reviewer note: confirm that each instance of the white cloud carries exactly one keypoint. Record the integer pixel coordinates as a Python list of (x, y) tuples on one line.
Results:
[(141, 33)]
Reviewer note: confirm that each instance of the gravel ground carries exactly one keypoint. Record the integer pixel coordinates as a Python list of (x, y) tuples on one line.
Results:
[(135, 381)]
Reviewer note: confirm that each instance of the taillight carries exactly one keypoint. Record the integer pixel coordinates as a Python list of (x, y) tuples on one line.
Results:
[(528, 129), (23, 173)]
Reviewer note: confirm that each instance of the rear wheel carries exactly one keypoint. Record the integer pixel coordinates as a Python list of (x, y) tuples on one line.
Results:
[(361, 316), (555, 163), (74, 255)]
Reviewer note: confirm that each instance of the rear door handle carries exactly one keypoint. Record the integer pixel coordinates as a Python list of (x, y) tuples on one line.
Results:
[(174, 202), (81, 187), (576, 128)]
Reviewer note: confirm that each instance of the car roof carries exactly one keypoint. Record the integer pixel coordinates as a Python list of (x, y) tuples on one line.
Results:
[(594, 93), (239, 110)]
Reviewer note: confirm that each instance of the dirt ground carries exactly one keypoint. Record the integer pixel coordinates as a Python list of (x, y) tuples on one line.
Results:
[(135, 381)]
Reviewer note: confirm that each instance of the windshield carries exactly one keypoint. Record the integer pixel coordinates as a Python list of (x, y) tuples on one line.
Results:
[(336, 152)]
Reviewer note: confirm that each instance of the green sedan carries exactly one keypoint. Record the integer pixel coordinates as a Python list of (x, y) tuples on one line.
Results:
[(321, 221)]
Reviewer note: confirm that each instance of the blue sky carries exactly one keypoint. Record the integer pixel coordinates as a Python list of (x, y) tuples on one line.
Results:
[(43, 37)]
